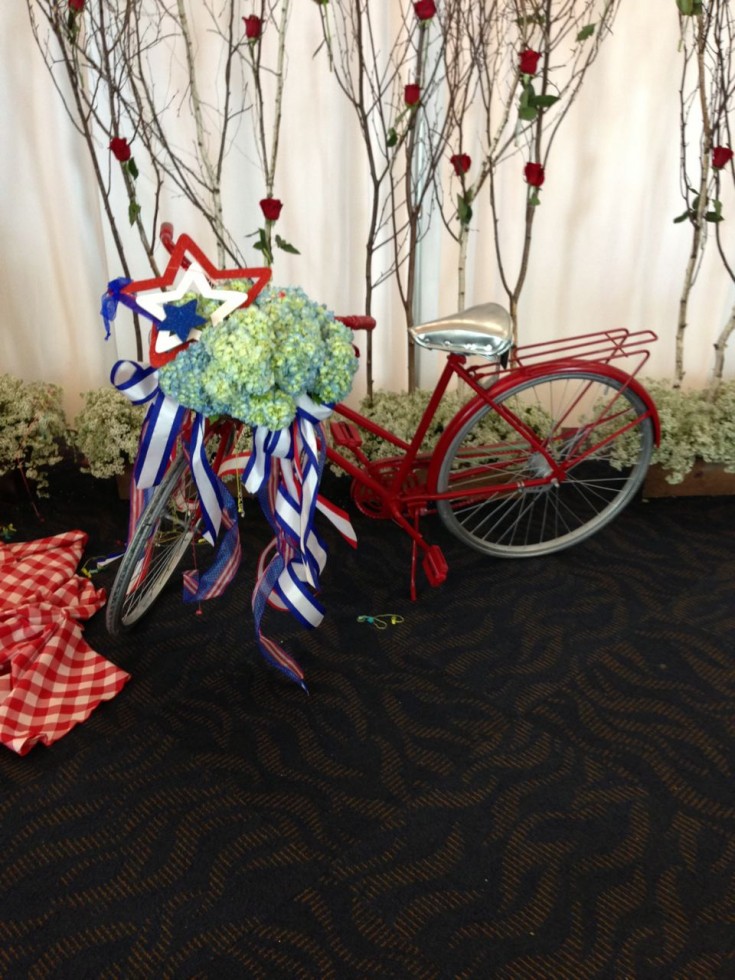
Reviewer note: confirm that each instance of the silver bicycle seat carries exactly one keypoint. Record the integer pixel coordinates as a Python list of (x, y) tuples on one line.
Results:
[(484, 330)]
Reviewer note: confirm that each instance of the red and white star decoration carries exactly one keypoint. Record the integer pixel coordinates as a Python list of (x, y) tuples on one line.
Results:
[(199, 274)]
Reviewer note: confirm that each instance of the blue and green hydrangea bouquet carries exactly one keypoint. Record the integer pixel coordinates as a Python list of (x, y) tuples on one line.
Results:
[(261, 358)]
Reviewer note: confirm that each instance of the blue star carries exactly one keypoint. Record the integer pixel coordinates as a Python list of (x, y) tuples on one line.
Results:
[(181, 320)]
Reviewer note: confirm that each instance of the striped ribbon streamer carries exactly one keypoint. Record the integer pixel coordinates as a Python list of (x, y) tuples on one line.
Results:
[(268, 574), (161, 428), (223, 568), (285, 470), (226, 561), (212, 491)]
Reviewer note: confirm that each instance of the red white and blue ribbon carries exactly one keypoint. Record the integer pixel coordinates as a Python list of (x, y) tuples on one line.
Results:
[(222, 570), (110, 300), (197, 586), (285, 470), (161, 428)]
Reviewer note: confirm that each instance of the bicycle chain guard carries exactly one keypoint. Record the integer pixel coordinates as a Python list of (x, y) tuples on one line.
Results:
[(383, 471)]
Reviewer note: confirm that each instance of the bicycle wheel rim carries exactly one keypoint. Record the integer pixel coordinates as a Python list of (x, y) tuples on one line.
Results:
[(167, 529), (596, 420)]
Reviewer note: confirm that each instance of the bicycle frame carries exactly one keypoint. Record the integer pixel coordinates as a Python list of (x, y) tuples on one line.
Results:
[(406, 505), (401, 498)]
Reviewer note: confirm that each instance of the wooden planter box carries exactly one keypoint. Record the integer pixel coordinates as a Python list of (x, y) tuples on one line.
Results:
[(13, 490), (122, 481), (704, 480)]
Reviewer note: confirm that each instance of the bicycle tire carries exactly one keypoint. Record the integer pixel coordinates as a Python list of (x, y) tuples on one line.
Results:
[(533, 521), (169, 524)]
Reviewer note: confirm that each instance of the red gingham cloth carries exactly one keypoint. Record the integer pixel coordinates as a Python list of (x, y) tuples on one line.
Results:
[(50, 678)]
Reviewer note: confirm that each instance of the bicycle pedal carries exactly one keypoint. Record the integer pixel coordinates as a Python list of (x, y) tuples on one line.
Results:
[(345, 434), (435, 565)]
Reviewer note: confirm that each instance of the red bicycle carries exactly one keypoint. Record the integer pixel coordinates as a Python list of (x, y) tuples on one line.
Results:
[(552, 443)]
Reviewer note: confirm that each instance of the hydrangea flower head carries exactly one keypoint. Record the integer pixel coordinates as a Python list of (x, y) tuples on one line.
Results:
[(255, 364)]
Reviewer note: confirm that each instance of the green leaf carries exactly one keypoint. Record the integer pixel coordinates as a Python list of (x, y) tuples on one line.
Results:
[(682, 217), (534, 199), (262, 246), (586, 32), (528, 113), (133, 211), (531, 19), (72, 25), (286, 246), (716, 215), (527, 95), (464, 211), (132, 168), (689, 8), (543, 101), (392, 137)]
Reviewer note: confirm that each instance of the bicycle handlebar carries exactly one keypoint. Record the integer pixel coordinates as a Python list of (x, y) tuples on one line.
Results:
[(166, 234), (357, 322)]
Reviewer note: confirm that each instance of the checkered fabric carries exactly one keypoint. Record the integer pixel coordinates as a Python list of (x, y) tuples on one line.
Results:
[(50, 678)]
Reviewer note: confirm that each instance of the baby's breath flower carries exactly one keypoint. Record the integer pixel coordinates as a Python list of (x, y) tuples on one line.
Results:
[(106, 432), (695, 424), (32, 428)]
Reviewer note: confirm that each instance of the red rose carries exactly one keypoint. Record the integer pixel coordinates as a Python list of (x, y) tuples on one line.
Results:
[(120, 147), (76, 5), (253, 27), (721, 156), (461, 163), (271, 208), (412, 94), (528, 61), (425, 9), (534, 174)]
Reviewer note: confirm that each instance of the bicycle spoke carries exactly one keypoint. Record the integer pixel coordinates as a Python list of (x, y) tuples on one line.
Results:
[(594, 444), (167, 530), (156, 568)]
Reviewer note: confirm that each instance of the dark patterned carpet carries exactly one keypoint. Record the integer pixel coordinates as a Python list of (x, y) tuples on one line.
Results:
[(530, 777)]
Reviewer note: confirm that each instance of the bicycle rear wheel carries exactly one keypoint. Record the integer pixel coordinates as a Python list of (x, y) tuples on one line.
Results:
[(595, 426), (168, 528)]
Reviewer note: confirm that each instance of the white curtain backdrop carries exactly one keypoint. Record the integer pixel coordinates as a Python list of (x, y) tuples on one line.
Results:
[(605, 252)]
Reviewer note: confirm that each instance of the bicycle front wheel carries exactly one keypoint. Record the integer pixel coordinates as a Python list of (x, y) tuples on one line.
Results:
[(168, 528), (597, 428)]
